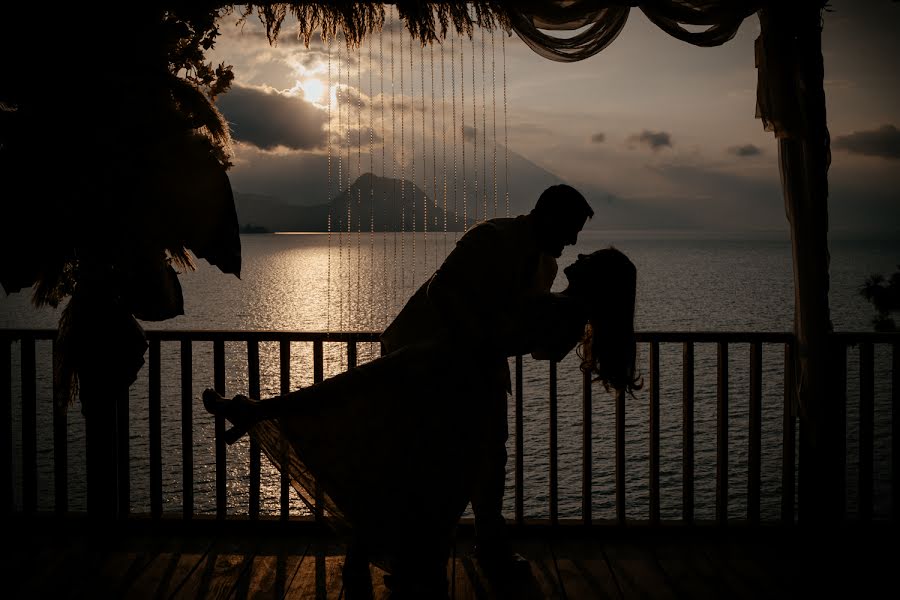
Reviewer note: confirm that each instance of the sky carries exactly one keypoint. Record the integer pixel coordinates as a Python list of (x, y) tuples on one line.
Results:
[(654, 131)]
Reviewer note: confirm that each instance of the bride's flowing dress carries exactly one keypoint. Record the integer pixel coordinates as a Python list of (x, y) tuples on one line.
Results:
[(385, 446), (389, 446)]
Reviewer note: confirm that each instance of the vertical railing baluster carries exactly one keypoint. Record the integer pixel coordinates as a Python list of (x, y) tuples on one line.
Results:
[(318, 361), (29, 427), (351, 352), (187, 428), (554, 471), (6, 435), (219, 421), (722, 434), (60, 448), (123, 451), (866, 428), (520, 447), (840, 438), (895, 432), (253, 387), (318, 377), (754, 455), (620, 456), (789, 433), (654, 433), (285, 365), (586, 450), (154, 423), (687, 424)]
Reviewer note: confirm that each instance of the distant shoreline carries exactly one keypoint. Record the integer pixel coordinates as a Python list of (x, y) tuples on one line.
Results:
[(662, 234)]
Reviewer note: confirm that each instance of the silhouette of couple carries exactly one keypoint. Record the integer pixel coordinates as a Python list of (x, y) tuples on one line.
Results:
[(396, 448)]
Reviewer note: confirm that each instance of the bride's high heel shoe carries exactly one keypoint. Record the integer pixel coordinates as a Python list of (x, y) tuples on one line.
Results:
[(238, 410)]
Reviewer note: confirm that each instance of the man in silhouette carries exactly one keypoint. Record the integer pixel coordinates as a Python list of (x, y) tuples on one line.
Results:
[(474, 300)]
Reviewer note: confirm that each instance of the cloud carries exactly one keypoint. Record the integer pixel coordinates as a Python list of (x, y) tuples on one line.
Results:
[(654, 139), (268, 119), (745, 150), (883, 142), (357, 138), (353, 98), (598, 138)]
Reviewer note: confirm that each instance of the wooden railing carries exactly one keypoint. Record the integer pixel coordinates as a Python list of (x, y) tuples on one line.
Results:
[(19, 458)]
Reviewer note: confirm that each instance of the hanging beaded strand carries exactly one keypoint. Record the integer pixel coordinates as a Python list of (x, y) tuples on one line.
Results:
[(505, 127), (349, 227), (384, 203), (397, 209), (340, 183), (402, 177), (462, 131), (371, 312), (444, 144), (424, 162), (412, 152), (453, 117), (358, 183), (494, 118), (433, 155), (328, 279), (474, 136), (484, 195)]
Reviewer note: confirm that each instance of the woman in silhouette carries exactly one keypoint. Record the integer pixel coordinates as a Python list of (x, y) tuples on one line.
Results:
[(387, 447)]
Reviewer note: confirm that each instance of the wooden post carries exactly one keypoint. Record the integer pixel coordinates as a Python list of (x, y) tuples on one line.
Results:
[(791, 102), (104, 345), (99, 406)]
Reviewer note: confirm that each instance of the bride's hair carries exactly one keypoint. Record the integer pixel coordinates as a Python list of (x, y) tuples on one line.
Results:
[(608, 349)]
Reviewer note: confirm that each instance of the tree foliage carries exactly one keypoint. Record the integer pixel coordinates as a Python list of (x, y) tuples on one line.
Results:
[(106, 125), (884, 295), (113, 161)]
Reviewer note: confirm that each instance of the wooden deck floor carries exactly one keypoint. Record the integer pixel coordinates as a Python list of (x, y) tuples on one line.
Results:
[(46, 562)]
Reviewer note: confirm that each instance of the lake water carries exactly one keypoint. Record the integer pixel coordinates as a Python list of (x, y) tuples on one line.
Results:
[(358, 281)]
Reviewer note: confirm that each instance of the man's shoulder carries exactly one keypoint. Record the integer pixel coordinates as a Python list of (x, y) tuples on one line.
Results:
[(501, 226), (501, 237)]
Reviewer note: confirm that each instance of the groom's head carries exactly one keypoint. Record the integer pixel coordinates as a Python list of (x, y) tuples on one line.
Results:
[(560, 213)]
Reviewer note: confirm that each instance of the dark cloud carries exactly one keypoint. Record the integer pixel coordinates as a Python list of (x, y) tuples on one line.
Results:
[(468, 133), (268, 119), (883, 142), (598, 138), (745, 150), (654, 139)]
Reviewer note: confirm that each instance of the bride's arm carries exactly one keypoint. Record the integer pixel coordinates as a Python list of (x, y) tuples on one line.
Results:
[(548, 326)]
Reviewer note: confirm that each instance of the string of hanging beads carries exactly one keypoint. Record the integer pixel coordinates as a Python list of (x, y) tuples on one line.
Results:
[(452, 196)]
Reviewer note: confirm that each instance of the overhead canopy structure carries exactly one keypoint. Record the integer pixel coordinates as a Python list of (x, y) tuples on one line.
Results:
[(790, 103), (138, 152)]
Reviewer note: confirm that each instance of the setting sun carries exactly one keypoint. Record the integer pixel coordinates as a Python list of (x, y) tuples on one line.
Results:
[(313, 90)]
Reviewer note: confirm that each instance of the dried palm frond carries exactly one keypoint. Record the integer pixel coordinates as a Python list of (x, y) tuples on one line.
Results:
[(426, 21), (201, 113)]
